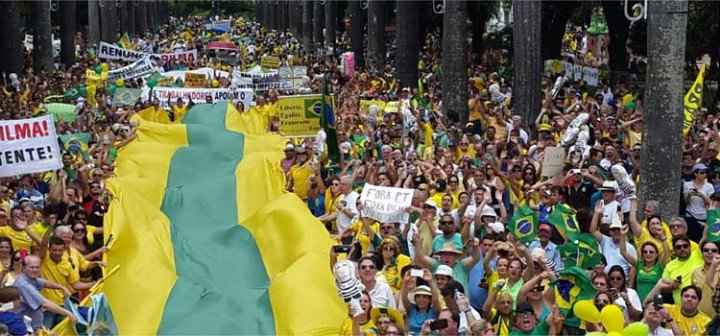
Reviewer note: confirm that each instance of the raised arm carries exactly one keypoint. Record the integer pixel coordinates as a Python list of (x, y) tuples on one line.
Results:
[(599, 207)]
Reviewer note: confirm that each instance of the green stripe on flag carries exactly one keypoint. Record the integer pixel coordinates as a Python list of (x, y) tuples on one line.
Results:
[(222, 284)]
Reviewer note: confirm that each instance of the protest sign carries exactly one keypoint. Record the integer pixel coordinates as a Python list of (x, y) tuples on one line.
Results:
[(28, 146), (126, 97), (222, 26), (366, 103), (299, 115), (61, 111), (553, 161), (196, 80), (573, 71), (112, 52), (137, 69), (386, 204), (270, 62), (199, 95)]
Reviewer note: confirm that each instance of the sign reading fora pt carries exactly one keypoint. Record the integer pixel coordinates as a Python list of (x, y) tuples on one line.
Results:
[(300, 115)]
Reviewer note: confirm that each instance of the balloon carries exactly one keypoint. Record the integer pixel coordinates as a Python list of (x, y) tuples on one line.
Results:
[(215, 83), (98, 69), (586, 311), (615, 333), (151, 83), (636, 329), (612, 318), (120, 83), (111, 88), (105, 67)]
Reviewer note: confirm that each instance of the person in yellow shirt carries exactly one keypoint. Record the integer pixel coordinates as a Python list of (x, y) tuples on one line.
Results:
[(361, 324), (19, 231), (393, 262), (678, 272), (299, 174), (364, 230), (685, 318)]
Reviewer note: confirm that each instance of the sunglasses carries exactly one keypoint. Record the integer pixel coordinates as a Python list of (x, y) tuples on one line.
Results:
[(369, 267), (710, 250), (682, 246)]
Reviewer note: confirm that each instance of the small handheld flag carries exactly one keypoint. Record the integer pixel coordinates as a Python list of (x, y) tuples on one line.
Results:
[(524, 224)]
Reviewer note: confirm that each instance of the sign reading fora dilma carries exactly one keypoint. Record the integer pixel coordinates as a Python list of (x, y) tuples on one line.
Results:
[(28, 146)]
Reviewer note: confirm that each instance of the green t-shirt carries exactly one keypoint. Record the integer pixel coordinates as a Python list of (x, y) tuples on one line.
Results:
[(542, 328), (646, 280), (460, 273)]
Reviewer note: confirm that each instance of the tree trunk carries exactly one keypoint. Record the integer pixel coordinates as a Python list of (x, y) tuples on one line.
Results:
[(106, 24), (318, 24), (555, 17), (358, 19), (94, 32), (68, 28), (124, 17), (42, 39), (330, 24), (480, 15), (618, 29), (307, 25), (661, 153), (454, 63), (11, 39), (408, 43), (152, 15), (141, 23), (527, 60), (132, 25), (376, 35)]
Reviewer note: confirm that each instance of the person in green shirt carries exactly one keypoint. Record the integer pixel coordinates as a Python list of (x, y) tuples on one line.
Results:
[(648, 270), (526, 323)]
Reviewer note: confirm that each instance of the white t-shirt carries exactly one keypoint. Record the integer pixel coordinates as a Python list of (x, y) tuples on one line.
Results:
[(613, 256), (634, 301), (610, 210), (696, 204), (343, 221), (382, 296)]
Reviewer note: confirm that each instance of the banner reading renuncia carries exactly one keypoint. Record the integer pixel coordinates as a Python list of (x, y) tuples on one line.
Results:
[(112, 52)]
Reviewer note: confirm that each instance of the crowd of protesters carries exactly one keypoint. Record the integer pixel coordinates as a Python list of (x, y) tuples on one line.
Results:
[(454, 267)]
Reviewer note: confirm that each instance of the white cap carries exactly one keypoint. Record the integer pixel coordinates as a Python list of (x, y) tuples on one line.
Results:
[(496, 227), (444, 270)]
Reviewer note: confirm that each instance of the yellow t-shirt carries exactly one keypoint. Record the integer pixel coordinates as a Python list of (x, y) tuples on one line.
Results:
[(39, 228), (500, 324), (676, 268), (63, 273), (300, 176), (694, 325), (699, 280), (179, 111), (77, 259), (392, 272), (645, 236), (360, 234), (368, 328), (20, 239)]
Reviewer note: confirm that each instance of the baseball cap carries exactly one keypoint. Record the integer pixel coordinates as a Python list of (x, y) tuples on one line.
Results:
[(699, 166)]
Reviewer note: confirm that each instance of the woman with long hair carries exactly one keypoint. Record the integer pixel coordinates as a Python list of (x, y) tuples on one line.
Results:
[(648, 270), (627, 298), (392, 262), (361, 324)]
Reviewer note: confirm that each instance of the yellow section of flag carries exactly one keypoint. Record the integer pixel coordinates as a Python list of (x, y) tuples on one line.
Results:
[(693, 100)]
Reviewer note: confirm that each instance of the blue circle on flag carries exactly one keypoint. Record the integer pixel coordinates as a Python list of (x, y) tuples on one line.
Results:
[(715, 228), (570, 223), (524, 227)]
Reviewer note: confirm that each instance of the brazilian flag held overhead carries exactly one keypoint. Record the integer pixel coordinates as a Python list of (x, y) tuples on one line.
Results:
[(582, 250), (524, 224), (713, 225), (564, 220)]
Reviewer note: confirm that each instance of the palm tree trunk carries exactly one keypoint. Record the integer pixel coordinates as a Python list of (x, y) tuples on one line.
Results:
[(42, 40), (330, 24), (408, 43), (68, 28), (376, 35), (307, 25), (11, 39), (661, 153), (618, 29), (152, 15), (454, 62), (141, 24), (131, 25), (527, 59), (124, 17), (358, 18), (106, 20), (318, 23), (93, 22)]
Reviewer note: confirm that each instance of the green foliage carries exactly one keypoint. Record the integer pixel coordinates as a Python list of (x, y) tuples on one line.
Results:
[(205, 7)]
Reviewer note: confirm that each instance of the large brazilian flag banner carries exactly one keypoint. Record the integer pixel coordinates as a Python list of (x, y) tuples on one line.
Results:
[(207, 240)]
